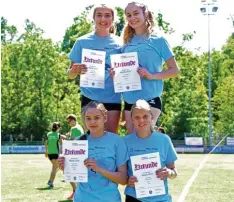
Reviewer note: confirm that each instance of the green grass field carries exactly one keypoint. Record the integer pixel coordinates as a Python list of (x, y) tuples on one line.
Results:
[(24, 178)]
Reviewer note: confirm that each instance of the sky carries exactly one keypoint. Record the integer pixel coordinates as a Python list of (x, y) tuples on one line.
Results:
[(55, 16)]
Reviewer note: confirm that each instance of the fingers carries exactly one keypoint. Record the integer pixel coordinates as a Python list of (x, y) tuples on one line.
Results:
[(162, 173), (131, 181), (111, 72), (79, 68), (61, 162), (91, 163)]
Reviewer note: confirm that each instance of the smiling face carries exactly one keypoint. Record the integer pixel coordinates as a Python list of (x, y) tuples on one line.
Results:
[(95, 120), (141, 119), (135, 16), (103, 18)]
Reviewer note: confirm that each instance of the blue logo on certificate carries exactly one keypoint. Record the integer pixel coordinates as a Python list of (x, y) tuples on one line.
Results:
[(93, 84), (74, 178), (150, 192)]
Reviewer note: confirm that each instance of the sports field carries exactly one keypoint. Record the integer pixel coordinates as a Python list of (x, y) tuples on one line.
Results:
[(24, 178)]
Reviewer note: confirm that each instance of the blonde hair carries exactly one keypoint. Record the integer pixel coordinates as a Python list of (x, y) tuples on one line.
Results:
[(113, 12), (129, 32), (142, 104), (93, 105)]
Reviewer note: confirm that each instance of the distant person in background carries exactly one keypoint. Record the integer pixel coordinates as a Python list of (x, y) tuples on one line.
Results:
[(52, 141), (144, 140), (102, 39), (75, 131)]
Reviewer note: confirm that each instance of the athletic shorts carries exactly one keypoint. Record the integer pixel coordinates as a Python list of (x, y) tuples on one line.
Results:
[(131, 199), (109, 106), (53, 156), (155, 103)]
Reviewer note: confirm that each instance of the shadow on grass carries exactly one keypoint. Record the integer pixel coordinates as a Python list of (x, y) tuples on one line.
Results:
[(65, 201), (47, 188)]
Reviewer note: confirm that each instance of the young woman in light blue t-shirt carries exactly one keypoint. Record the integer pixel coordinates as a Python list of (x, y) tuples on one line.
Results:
[(145, 141), (107, 159), (152, 50), (102, 39)]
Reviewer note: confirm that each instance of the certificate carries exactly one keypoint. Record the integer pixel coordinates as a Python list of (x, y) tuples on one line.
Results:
[(75, 152), (126, 77), (95, 62), (144, 168)]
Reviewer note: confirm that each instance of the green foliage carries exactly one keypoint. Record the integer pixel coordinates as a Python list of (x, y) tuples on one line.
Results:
[(80, 27), (36, 91)]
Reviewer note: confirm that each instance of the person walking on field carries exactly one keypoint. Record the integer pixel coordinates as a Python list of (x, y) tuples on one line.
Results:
[(53, 139)]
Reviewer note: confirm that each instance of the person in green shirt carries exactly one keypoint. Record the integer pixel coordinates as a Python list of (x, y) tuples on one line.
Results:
[(75, 131), (53, 139)]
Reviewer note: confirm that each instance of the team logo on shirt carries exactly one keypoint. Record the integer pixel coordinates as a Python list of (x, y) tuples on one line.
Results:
[(152, 102)]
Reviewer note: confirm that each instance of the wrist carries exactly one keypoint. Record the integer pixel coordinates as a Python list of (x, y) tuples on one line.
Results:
[(172, 174)]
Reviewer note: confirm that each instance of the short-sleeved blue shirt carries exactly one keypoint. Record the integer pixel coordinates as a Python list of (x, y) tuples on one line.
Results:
[(152, 51), (111, 45), (157, 142), (110, 152)]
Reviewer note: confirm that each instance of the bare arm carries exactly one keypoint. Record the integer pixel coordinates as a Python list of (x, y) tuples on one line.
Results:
[(167, 172), (171, 71), (46, 148), (76, 69), (119, 177)]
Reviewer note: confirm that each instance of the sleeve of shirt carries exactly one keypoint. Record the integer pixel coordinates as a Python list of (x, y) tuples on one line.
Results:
[(121, 153), (76, 52), (171, 153), (165, 49)]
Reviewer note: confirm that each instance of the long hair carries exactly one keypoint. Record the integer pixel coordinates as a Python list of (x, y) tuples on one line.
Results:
[(129, 32), (113, 13)]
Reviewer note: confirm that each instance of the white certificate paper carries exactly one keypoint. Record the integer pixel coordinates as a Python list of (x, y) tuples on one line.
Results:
[(95, 62), (126, 77), (75, 152), (144, 168)]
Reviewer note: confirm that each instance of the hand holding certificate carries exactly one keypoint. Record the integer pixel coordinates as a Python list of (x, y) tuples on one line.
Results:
[(126, 77), (144, 168), (75, 152), (95, 62)]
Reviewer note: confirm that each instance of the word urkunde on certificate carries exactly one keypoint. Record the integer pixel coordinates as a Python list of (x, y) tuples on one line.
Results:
[(144, 168), (75, 152), (95, 62), (126, 77)]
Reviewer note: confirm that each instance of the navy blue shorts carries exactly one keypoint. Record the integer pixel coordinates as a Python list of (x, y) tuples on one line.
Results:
[(53, 156), (109, 106)]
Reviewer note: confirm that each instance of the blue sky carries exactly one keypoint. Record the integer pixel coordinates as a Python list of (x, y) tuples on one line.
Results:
[(54, 16)]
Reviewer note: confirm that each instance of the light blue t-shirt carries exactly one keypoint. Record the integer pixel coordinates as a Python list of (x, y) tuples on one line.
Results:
[(110, 152), (152, 51), (157, 142), (111, 45)]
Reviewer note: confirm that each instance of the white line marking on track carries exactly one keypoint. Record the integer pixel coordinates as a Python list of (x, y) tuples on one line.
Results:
[(185, 191)]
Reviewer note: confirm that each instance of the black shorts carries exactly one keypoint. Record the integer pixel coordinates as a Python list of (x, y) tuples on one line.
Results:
[(155, 103), (131, 199), (53, 156), (109, 106)]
